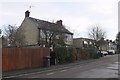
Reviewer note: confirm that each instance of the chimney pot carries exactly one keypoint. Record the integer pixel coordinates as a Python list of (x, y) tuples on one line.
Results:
[(27, 13), (59, 22)]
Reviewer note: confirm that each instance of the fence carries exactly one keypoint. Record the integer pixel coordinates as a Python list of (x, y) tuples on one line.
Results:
[(21, 58)]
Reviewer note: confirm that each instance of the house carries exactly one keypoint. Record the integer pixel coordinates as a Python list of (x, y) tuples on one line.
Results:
[(106, 45), (103, 44), (40, 32), (112, 46), (83, 43)]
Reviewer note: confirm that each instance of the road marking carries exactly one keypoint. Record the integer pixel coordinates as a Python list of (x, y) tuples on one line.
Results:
[(50, 73), (63, 70), (113, 68)]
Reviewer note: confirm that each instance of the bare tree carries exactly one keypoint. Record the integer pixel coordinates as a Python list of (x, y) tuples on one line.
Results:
[(53, 38), (96, 33), (53, 34), (49, 37), (14, 37), (4, 41)]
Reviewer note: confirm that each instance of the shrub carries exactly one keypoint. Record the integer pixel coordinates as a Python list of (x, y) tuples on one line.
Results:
[(84, 54), (93, 53), (65, 54), (73, 54)]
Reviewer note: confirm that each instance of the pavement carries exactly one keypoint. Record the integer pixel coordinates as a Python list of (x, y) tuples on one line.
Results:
[(21, 72)]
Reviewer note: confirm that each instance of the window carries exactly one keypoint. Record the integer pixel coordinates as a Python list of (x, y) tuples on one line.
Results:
[(42, 34), (68, 37), (85, 44)]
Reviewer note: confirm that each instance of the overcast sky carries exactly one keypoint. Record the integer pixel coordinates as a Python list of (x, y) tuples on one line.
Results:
[(77, 15)]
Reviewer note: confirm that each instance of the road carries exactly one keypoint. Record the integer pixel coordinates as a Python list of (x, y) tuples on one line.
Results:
[(105, 67)]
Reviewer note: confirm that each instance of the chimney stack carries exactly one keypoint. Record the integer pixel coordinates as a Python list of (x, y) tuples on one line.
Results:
[(59, 22), (27, 14)]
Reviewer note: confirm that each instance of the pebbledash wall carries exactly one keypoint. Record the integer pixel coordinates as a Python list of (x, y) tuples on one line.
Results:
[(21, 58)]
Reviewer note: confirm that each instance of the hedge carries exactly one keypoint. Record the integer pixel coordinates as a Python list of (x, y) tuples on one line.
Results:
[(65, 54)]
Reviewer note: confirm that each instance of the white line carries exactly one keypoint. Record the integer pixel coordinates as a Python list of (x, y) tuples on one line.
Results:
[(63, 70), (50, 73), (114, 68)]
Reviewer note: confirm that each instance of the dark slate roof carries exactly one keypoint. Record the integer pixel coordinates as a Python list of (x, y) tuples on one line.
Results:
[(84, 39), (49, 26), (103, 41)]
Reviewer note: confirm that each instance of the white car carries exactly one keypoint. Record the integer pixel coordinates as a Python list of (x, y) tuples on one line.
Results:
[(110, 52), (104, 53)]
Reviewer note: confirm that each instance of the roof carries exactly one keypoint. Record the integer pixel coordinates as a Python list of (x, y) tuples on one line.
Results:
[(49, 26), (83, 38), (102, 41)]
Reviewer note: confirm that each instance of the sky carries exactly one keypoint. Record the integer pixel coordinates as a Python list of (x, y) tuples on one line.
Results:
[(77, 15)]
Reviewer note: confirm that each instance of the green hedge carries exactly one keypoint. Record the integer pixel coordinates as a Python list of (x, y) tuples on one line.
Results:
[(69, 54), (65, 54), (93, 53), (88, 53)]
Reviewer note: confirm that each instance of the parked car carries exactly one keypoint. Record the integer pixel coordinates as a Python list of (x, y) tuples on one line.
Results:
[(111, 52), (104, 53)]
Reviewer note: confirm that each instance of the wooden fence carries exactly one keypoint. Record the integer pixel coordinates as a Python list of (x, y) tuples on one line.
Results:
[(21, 58)]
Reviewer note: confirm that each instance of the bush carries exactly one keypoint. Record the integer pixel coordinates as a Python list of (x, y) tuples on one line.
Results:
[(73, 54), (93, 53), (61, 54), (84, 54), (88, 53), (65, 54)]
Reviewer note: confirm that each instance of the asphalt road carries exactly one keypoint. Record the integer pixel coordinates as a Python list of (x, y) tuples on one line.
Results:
[(105, 67)]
